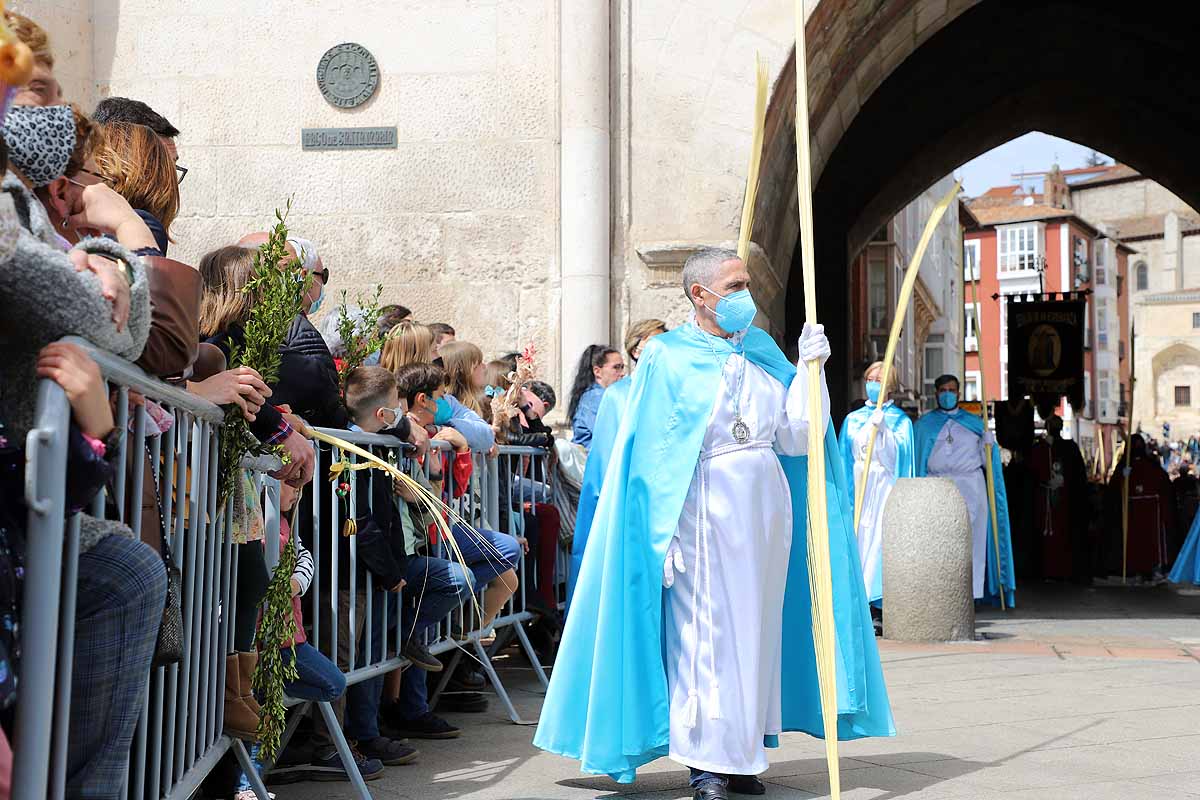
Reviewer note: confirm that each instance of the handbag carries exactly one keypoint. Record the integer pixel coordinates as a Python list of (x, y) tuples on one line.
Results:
[(168, 649)]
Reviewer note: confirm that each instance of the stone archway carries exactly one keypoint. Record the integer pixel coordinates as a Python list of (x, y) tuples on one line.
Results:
[(1176, 365), (903, 91)]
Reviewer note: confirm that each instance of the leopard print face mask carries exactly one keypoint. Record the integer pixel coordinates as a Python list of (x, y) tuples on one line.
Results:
[(40, 141)]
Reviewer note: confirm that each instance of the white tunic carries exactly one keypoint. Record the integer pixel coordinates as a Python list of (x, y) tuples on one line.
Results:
[(880, 480), (958, 455), (736, 531)]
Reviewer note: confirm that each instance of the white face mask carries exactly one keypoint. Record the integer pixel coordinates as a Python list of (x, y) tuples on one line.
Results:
[(396, 413)]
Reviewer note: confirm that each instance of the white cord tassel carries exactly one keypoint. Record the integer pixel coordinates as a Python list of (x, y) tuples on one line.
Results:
[(691, 711), (714, 700)]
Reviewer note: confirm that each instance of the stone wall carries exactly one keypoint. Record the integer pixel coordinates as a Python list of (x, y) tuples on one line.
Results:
[(68, 24), (459, 222)]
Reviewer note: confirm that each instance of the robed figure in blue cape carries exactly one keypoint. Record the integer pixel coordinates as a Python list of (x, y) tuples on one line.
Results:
[(604, 432), (1187, 563), (949, 444), (891, 460), (609, 704)]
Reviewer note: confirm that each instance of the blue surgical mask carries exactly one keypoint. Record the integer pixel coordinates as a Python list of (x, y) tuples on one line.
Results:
[(317, 303), (947, 400), (442, 411), (873, 388), (734, 312)]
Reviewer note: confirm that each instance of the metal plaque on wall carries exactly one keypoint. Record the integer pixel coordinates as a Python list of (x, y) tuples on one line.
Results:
[(348, 138), (347, 75)]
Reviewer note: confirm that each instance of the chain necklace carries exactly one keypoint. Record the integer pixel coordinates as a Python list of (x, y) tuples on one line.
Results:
[(740, 430)]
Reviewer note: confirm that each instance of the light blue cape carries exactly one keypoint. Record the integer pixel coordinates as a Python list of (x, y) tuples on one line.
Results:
[(927, 429), (1187, 563), (902, 430), (604, 432), (607, 705)]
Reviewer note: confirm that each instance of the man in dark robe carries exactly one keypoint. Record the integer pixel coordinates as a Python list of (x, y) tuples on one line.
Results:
[(1060, 505), (1151, 506)]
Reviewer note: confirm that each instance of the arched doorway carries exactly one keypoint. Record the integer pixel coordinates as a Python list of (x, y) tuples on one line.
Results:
[(900, 96)]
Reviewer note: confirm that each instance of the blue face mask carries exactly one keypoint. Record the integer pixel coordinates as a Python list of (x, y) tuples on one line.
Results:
[(442, 411), (734, 312), (947, 400), (873, 388), (317, 303)]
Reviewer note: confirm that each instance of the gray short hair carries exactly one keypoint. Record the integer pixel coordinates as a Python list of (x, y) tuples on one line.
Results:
[(702, 267)]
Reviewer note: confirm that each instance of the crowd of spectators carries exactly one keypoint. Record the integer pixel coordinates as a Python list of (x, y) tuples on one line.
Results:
[(87, 207)]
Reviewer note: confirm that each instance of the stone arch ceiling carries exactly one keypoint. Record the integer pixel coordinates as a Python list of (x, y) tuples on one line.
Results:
[(903, 91)]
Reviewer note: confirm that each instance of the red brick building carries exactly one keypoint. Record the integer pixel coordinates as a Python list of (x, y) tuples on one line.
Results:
[(1024, 243)]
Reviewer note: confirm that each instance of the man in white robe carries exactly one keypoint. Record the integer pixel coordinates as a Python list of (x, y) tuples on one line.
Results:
[(726, 568)]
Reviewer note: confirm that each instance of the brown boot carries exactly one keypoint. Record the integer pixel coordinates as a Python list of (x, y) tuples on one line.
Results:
[(240, 720), (246, 665)]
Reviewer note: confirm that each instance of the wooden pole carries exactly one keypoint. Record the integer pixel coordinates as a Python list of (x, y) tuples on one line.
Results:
[(906, 289), (987, 448), (1128, 460), (820, 580)]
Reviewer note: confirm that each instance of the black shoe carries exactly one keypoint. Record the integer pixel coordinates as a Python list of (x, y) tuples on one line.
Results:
[(711, 790), (424, 727), (463, 703), (467, 680), (743, 784), (389, 751), (421, 658)]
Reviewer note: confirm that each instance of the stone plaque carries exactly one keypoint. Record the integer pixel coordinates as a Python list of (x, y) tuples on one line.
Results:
[(348, 138), (347, 75)]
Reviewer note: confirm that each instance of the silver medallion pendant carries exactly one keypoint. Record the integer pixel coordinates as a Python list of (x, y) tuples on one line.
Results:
[(741, 431)]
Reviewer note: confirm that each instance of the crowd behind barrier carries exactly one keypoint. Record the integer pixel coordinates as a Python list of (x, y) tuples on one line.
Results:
[(179, 738)]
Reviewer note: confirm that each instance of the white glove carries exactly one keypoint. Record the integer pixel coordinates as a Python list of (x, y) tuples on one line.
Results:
[(673, 564), (813, 344), (877, 417), (989, 438)]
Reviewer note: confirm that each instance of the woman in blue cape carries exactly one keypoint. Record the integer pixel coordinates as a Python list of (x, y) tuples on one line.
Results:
[(891, 459), (634, 679), (1187, 563), (608, 419), (950, 444)]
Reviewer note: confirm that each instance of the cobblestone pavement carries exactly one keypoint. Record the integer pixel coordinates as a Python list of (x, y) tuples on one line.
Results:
[(1079, 693)]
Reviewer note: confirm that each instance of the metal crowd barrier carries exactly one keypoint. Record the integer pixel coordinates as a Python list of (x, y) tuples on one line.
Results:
[(179, 738)]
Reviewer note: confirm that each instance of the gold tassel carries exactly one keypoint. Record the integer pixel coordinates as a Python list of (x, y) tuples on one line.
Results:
[(906, 289), (350, 527), (820, 581)]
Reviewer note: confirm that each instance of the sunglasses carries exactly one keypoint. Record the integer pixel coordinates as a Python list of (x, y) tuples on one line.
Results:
[(182, 172)]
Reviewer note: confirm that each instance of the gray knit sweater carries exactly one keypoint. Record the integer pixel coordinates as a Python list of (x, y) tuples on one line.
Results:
[(42, 299)]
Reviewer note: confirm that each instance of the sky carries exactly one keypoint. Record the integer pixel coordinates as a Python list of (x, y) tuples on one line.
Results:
[(1032, 152)]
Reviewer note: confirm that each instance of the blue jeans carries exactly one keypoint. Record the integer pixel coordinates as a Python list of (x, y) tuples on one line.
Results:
[(526, 490), (319, 678), (445, 584), (489, 555), (699, 776)]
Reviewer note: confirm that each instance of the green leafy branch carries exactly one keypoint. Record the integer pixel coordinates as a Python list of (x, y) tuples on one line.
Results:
[(360, 333), (278, 625)]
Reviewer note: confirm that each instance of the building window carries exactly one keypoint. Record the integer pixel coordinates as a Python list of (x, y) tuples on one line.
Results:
[(1102, 325), (1196, 319), (1183, 396), (1141, 277), (935, 365), (970, 388), (971, 331), (971, 253), (1020, 247)]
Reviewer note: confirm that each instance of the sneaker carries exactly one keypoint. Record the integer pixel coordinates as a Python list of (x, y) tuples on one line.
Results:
[(248, 794), (390, 752), (467, 679), (426, 726), (329, 768), (420, 657), (462, 703)]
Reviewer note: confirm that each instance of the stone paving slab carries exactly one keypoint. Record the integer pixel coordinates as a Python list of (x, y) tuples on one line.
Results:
[(986, 720)]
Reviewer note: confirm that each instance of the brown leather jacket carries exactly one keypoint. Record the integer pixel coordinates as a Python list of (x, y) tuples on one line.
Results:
[(175, 290)]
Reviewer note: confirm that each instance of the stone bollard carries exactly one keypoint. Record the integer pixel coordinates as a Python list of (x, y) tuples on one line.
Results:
[(927, 592)]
